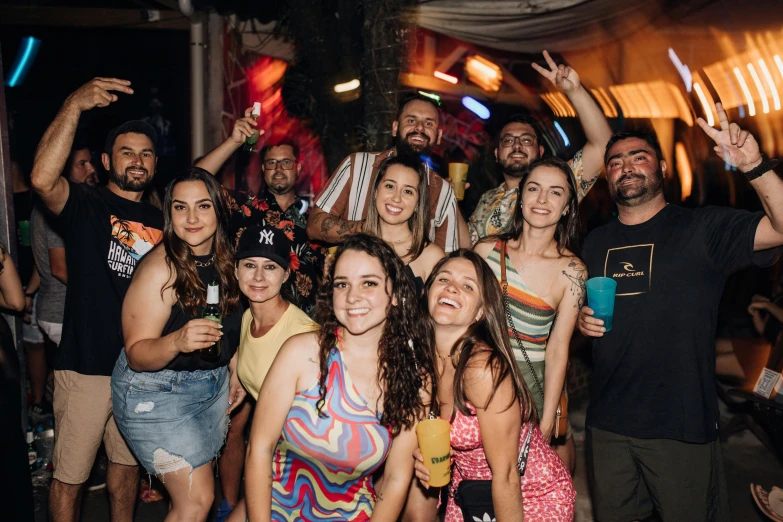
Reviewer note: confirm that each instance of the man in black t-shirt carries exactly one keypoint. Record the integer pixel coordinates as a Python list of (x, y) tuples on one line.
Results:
[(106, 232), (652, 421)]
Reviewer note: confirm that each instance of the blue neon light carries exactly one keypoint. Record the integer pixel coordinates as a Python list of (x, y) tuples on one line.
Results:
[(24, 59), (477, 108), (566, 141)]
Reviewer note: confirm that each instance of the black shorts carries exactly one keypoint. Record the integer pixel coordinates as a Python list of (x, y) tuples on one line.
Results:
[(630, 477)]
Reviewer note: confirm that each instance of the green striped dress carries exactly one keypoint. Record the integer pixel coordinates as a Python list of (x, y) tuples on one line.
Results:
[(533, 319)]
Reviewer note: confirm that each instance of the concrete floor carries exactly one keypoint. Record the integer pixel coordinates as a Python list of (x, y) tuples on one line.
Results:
[(746, 461)]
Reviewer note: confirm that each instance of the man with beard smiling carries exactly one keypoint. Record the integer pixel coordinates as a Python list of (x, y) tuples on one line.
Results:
[(652, 421), (519, 143), (106, 232), (342, 205)]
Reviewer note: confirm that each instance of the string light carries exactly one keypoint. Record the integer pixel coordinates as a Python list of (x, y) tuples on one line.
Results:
[(704, 104), (760, 88), (745, 91)]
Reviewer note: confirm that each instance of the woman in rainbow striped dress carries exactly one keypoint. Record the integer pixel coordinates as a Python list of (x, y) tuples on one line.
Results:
[(545, 279), (338, 404)]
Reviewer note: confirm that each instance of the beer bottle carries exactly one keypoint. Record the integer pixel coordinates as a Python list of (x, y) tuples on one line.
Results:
[(250, 141), (212, 312)]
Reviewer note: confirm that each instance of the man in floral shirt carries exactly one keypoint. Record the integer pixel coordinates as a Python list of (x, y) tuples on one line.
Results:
[(519, 143), (277, 206)]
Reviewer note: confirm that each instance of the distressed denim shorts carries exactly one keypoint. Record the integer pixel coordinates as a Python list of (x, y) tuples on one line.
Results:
[(171, 420)]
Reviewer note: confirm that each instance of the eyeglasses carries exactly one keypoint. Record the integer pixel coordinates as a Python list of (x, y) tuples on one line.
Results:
[(286, 164), (509, 140)]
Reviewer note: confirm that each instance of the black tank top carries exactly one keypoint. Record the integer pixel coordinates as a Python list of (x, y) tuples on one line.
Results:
[(232, 324), (418, 282)]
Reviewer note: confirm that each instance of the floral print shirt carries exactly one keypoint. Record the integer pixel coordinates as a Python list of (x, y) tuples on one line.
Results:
[(307, 258), (495, 209)]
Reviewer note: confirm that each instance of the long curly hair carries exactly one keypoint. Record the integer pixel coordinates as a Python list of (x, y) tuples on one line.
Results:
[(405, 353), (190, 290), (489, 333), (567, 230), (419, 222)]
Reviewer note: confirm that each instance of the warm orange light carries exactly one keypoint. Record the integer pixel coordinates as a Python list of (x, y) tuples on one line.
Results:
[(445, 77), (770, 83), (779, 63), (745, 91), (704, 103), (484, 73), (684, 171), (759, 88)]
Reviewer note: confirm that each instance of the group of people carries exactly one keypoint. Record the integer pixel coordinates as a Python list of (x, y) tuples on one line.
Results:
[(416, 314)]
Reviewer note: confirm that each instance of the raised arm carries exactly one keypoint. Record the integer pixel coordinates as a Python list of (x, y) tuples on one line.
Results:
[(591, 117), (146, 309), (740, 149), (55, 146), (243, 129)]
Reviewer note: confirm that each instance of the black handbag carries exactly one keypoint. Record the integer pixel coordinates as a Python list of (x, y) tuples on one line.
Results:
[(474, 497)]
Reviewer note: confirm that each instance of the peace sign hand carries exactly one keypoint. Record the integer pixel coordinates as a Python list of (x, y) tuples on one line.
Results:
[(98, 93), (562, 76), (735, 146)]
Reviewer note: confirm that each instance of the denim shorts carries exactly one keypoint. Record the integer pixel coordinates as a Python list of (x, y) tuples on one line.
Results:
[(171, 420)]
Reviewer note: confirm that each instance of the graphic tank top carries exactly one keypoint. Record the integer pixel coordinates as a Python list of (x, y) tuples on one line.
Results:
[(322, 468)]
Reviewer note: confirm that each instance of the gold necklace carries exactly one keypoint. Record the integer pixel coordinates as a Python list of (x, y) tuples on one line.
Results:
[(205, 263), (403, 240)]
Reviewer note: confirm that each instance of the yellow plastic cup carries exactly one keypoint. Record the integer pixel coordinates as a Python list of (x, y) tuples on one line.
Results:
[(435, 446), (458, 173)]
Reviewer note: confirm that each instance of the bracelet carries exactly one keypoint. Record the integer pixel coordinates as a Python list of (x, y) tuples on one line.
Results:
[(765, 166), (29, 295)]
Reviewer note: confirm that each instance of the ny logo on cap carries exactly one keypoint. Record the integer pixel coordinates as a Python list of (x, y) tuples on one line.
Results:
[(266, 237)]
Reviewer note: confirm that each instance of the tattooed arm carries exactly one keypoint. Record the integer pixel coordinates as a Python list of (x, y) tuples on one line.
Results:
[(573, 276), (323, 226)]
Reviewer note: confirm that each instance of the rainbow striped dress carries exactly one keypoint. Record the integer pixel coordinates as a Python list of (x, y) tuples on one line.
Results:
[(533, 319), (322, 467)]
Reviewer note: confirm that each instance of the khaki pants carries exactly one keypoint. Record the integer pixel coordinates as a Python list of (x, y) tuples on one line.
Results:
[(82, 418)]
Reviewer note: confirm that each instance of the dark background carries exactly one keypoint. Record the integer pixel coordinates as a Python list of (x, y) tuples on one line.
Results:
[(155, 61)]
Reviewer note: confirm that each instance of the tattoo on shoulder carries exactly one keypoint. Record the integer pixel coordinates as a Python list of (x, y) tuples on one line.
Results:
[(578, 281), (586, 184), (312, 360)]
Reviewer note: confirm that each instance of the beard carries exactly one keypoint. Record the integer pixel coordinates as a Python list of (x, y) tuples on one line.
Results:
[(514, 169), (128, 184), (404, 147), (279, 186), (636, 195)]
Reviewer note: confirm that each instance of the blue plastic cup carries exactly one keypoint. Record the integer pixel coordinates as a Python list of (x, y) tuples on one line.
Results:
[(600, 297)]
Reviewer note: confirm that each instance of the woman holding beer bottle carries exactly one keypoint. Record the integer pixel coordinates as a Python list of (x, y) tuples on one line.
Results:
[(175, 383)]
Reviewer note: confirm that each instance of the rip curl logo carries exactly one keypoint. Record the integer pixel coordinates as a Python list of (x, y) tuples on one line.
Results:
[(266, 237), (631, 267)]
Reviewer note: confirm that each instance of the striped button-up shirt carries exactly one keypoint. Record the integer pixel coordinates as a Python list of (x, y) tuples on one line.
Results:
[(347, 195)]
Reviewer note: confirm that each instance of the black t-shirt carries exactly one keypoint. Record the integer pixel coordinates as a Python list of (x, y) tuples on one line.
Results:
[(654, 373), (232, 326), (105, 237)]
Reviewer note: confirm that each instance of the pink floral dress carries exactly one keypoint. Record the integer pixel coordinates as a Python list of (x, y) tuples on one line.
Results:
[(547, 490)]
